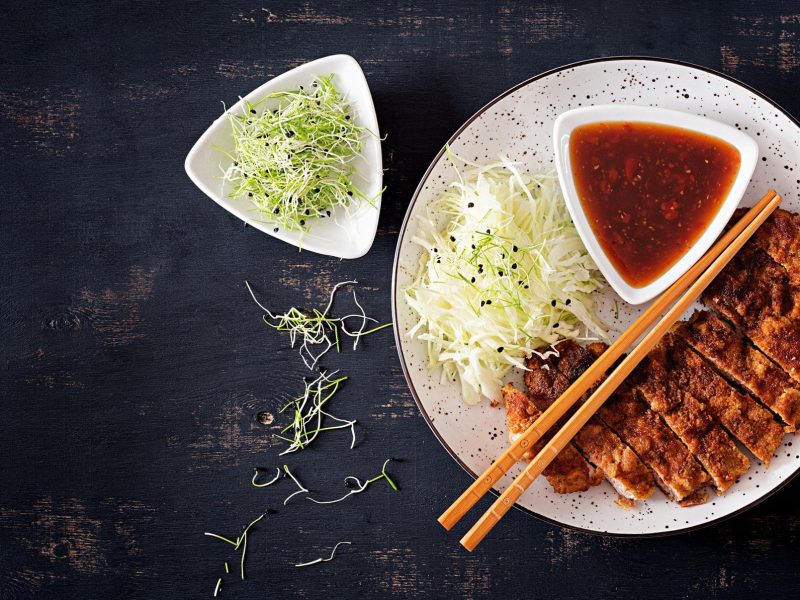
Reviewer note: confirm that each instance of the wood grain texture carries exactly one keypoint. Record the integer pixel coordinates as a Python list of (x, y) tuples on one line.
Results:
[(134, 363)]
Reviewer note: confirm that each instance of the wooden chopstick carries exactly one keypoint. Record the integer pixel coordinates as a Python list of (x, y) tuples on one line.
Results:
[(549, 417), (557, 443)]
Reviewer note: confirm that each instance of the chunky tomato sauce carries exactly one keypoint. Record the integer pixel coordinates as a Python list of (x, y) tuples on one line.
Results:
[(649, 191)]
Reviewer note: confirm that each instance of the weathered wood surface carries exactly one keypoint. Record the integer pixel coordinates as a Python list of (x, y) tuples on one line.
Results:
[(134, 363)]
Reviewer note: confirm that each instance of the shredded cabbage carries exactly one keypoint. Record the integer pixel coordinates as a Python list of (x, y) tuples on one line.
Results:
[(505, 275)]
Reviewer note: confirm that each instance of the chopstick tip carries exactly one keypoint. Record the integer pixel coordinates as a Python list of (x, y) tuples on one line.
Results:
[(445, 522)]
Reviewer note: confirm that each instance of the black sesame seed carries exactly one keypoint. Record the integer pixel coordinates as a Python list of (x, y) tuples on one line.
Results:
[(488, 302), (290, 134), (470, 205), (500, 349), (555, 325), (276, 211), (275, 230), (347, 117), (500, 273), (253, 110), (552, 302), (349, 193), (302, 222), (482, 302), (514, 266), (514, 248), (472, 280), (452, 238), (568, 302)]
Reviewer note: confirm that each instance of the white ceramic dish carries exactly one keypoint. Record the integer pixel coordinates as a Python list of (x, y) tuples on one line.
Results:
[(566, 123), (519, 123), (348, 233)]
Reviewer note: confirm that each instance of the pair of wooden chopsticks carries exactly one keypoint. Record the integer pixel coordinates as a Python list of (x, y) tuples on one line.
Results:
[(696, 279)]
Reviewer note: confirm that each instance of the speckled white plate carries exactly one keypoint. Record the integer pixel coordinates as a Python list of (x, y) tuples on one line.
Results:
[(519, 123)]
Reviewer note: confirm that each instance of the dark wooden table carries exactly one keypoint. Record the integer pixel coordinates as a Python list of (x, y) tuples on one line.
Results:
[(134, 363)]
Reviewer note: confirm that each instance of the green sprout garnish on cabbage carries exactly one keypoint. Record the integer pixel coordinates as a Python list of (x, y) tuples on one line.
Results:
[(503, 273)]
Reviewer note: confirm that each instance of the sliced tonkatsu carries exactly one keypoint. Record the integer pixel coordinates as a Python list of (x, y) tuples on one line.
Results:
[(754, 294), (779, 237), (599, 444), (743, 417), (689, 419), (569, 472), (672, 466), (573, 359), (676, 471), (740, 362)]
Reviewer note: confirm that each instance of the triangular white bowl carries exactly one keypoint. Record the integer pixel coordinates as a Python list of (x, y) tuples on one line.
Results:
[(569, 120), (347, 233)]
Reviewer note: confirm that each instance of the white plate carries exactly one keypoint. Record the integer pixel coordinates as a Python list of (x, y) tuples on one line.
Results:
[(519, 124), (568, 121), (348, 233)]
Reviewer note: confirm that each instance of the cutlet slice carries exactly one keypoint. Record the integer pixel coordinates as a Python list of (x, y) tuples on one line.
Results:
[(687, 417), (754, 293), (568, 472), (743, 417), (779, 237), (676, 471), (601, 446), (573, 359), (742, 363)]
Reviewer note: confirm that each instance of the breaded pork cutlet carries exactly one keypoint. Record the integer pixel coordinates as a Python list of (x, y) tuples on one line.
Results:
[(687, 417), (598, 443), (742, 363), (743, 417), (754, 293), (779, 237), (569, 472), (676, 471)]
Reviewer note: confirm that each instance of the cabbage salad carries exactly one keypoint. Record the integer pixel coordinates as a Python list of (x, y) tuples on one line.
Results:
[(504, 275)]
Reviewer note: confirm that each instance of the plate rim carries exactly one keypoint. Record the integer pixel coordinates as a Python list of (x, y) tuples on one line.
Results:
[(395, 267)]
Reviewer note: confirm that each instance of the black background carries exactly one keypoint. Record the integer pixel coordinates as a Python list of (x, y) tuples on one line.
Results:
[(134, 363)]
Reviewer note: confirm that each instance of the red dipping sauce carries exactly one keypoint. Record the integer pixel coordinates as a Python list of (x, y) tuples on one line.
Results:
[(649, 191)]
